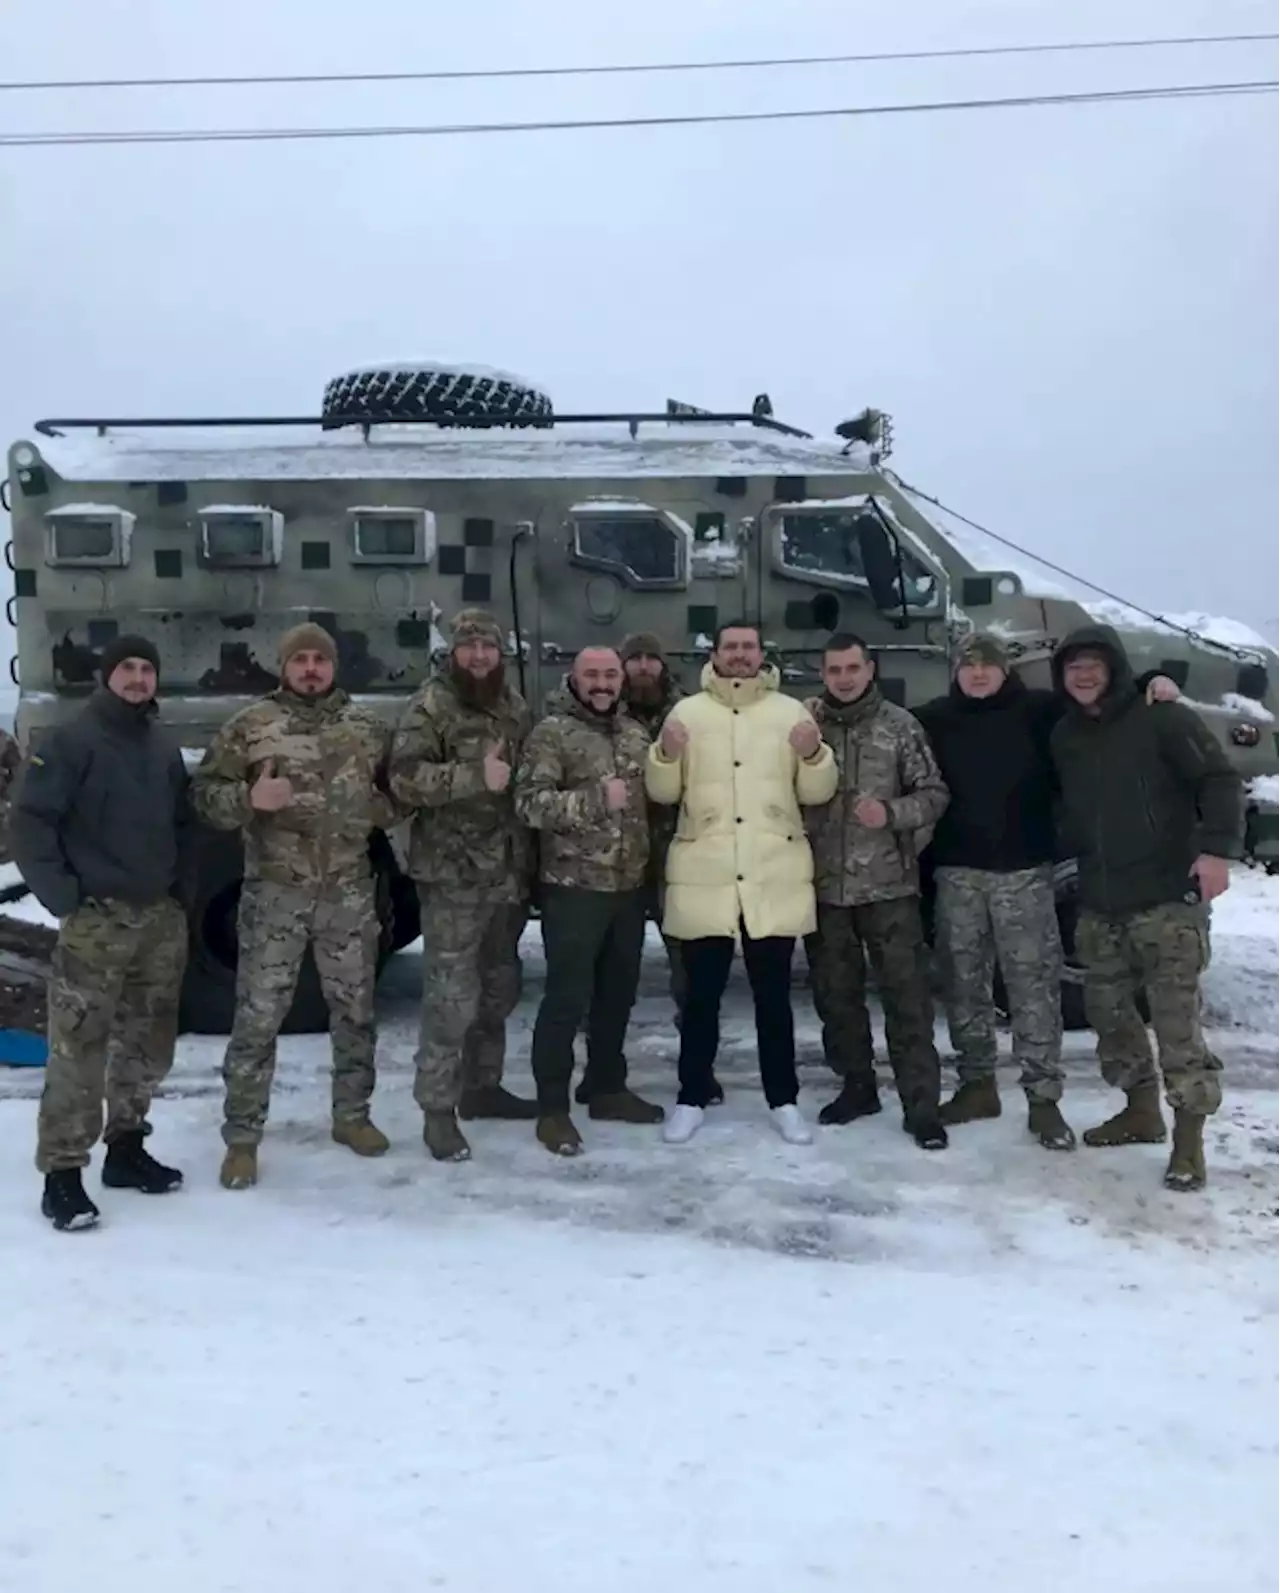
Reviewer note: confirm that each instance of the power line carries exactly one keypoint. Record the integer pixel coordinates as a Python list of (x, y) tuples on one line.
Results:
[(256, 135), (635, 69)]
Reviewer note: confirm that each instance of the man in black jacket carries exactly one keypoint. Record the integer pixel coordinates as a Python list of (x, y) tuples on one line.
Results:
[(100, 833), (1153, 810), (993, 853)]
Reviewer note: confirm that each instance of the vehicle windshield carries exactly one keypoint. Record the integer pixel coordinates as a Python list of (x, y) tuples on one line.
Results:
[(825, 542)]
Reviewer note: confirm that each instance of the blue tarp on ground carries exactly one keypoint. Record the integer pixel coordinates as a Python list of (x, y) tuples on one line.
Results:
[(21, 1048)]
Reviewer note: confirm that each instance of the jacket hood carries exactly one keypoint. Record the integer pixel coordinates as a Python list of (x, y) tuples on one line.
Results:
[(1102, 639), (730, 691)]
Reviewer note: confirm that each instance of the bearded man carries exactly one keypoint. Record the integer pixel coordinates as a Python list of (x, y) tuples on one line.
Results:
[(472, 861)]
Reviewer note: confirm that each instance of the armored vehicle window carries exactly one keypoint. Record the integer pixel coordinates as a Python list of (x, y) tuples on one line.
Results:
[(240, 536), (392, 536), (97, 537), (825, 543), (642, 548)]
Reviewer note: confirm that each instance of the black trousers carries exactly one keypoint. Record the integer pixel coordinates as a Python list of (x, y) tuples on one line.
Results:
[(594, 941), (706, 965)]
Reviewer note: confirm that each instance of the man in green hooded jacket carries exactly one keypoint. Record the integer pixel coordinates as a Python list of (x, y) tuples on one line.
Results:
[(1153, 810)]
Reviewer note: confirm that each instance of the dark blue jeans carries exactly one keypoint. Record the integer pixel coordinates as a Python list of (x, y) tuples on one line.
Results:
[(706, 965)]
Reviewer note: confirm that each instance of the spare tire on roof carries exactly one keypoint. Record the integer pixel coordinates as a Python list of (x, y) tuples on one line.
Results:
[(439, 393)]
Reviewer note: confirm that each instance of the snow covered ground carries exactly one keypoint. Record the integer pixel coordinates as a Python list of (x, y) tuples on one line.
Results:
[(736, 1367)]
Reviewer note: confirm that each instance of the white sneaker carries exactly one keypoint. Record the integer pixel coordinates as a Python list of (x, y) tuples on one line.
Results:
[(789, 1123), (682, 1125)]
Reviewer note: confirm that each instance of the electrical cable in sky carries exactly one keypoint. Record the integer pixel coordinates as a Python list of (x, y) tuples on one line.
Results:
[(258, 135)]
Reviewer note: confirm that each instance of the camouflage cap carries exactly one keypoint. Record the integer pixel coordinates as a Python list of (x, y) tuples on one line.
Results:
[(981, 648), (475, 625), (307, 638), (641, 644)]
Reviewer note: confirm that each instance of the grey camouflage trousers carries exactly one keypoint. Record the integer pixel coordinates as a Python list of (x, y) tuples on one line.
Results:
[(113, 1023), (1166, 949), (983, 915), (276, 923), (471, 981)]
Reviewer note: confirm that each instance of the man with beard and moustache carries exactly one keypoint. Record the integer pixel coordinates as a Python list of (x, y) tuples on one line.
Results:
[(302, 775), (741, 759), (102, 835), (649, 693), (1154, 811), (580, 785), (866, 847), (993, 854), (472, 860)]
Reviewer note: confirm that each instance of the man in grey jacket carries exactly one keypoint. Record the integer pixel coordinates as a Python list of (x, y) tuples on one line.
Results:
[(100, 833)]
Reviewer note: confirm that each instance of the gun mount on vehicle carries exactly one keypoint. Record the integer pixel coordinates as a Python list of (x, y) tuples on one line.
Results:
[(421, 489)]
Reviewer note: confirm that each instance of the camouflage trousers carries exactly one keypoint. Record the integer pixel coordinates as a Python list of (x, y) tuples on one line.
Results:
[(1165, 949), (113, 1023), (471, 980), (982, 916), (678, 980), (275, 925), (890, 935)]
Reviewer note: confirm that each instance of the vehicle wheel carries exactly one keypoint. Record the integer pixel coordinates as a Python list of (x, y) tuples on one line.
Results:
[(436, 393)]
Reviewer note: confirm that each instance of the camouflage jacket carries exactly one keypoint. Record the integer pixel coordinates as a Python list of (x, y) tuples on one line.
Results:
[(560, 793), (10, 763), (333, 754), (663, 817), (881, 751), (465, 837)]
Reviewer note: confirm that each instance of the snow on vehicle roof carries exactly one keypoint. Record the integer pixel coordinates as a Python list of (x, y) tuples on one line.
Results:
[(413, 453), (984, 554), (1226, 633)]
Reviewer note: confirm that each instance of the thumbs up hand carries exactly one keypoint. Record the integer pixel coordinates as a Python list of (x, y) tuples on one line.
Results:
[(497, 771), (270, 792)]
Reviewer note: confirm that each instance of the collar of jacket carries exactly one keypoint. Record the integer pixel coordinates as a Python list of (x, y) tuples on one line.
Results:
[(740, 693), (324, 707), (113, 710), (832, 711)]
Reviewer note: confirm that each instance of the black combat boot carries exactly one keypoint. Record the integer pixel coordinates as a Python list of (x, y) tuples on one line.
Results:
[(924, 1124), (858, 1097), (496, 1102), (65, 1203), (129, 1165), (585, 1090)]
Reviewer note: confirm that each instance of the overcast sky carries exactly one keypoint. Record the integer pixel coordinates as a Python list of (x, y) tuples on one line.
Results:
[(1070, 313)]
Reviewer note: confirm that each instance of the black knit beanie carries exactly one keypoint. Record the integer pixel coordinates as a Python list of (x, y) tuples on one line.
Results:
[(121, 647)]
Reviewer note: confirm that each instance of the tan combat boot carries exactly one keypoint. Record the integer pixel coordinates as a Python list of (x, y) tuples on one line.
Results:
[(557, 1133), (239, 1167), (1186, 1170), (1046, 1122), (1138, 1122), (974, 1101), (443, 1138), (362, 1137), (623, 1106)]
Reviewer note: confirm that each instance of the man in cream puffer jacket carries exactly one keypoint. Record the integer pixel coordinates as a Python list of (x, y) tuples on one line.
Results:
[(740, 759)]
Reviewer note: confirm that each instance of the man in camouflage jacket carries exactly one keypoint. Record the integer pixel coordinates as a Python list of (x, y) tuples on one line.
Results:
[(10, 763), (302, 774), (580, 784), (451, 765), (649, 693), (866, 843)]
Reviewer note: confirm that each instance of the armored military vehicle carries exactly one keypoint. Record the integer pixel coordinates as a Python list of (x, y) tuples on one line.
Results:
[(421, 489)]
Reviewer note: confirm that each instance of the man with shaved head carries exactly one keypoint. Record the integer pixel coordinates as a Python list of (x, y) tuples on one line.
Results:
[(580, 784)]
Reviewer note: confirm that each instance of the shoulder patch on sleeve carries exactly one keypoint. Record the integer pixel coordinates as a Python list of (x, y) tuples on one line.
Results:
[(37, 760)]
